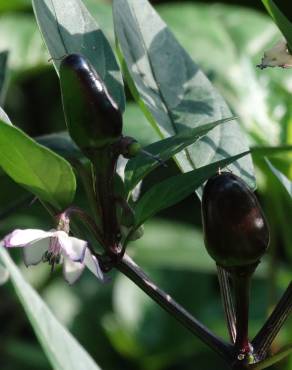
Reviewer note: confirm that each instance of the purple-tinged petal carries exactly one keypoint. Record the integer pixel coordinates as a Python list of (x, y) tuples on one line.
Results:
[(92, 264), (33, 254), (74, 248), (72, 270), (22, 238)]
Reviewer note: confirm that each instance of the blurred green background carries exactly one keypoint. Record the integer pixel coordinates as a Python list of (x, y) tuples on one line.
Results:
[(120, 326)]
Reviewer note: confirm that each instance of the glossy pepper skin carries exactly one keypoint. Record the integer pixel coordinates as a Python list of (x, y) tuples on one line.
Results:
[(235, 229), (92, 116)]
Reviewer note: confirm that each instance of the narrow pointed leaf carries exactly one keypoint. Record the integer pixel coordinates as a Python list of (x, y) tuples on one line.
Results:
[(176, 188), (140, 166), (61, 348), (172, 91), (67, 27), (280, 19), (38, 169), (284, 181)]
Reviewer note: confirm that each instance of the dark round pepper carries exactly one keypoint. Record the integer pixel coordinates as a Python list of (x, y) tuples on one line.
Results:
[(235, 229), (92, 116)]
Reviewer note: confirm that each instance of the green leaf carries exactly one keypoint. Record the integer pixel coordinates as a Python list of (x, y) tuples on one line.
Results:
[(284, 181), (44, 173), (171, 90), (60, 143), (67, 28), (176, 188), (61, 348), (140, 166), (236, 49), (281, 21), (275, 358)]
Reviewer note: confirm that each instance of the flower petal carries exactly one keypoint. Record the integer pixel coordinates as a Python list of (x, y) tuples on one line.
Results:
[(72, 270), (92, 264), (33, 254), (74, 248), (20, 237)]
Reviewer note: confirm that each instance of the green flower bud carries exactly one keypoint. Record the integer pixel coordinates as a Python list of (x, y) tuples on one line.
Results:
[(235, 229), (92, 116)]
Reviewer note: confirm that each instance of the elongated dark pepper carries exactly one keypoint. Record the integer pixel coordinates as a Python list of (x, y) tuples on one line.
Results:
[(92, 116)]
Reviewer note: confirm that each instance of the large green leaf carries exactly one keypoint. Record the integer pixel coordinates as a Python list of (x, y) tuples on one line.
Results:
[(138, 167), (61, 348), (68, 27), (171, 90), (44, 173), (176, 188), (255, 96), (281, 21)]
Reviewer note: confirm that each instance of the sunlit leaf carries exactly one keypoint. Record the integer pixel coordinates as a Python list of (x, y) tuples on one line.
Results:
[(44, 173), (171, 90), (141, 165)]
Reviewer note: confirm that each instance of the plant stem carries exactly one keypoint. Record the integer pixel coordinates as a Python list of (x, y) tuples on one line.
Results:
[(272, 326), (241, 283), (105, 167), (129, 268), (227, 302)]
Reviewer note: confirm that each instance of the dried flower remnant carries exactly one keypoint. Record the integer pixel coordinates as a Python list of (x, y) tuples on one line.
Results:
[(278, 56)]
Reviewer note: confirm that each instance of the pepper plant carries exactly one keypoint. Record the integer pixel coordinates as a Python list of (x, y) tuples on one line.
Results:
[(196, 128)]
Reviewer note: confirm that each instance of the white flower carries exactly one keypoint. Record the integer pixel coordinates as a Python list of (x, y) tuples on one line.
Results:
[(55, 246), (278, 56)]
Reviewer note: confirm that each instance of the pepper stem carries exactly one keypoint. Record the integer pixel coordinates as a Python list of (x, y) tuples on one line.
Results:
[(241, 277)]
